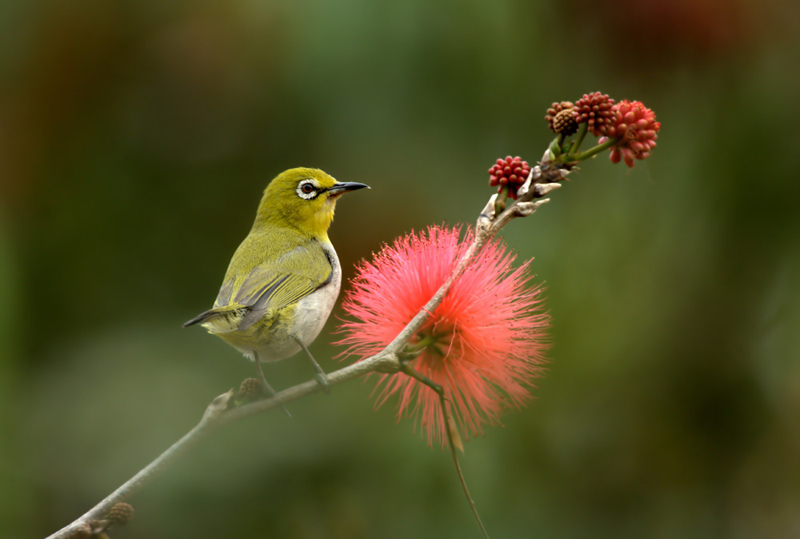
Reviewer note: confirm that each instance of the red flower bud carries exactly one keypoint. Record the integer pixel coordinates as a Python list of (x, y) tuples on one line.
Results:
[(595, 110), (562, 118), (635, 126), (511, 171)]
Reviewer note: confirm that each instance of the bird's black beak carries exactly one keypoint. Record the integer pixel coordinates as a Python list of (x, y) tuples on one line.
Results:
[(341, 187)]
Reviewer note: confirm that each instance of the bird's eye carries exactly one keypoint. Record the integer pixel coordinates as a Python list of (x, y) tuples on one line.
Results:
[(307, 190)]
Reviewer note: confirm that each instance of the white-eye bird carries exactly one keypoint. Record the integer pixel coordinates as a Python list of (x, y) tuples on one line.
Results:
[(284, 278)]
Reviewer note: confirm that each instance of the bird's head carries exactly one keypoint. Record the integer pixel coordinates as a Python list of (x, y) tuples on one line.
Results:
[(302, 198)]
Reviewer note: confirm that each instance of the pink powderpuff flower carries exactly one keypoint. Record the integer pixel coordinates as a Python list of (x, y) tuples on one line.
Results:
[(483, 344)]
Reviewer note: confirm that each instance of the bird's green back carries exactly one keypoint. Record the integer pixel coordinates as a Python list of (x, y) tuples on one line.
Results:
[(274, 267)]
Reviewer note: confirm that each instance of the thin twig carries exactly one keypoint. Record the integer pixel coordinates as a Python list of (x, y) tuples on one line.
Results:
[(407, 369), (454, 454), (218, 414), (542, 179)]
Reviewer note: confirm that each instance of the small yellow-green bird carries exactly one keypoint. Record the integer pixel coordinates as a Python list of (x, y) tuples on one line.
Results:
[(284, 278)]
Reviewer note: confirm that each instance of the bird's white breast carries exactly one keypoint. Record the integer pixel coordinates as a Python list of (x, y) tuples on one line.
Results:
[(310, 315), (314, 309)]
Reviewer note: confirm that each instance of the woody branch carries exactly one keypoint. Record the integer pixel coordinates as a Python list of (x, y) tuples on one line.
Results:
[(543, 179)]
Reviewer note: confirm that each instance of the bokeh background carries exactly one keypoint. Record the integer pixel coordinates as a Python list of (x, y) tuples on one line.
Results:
[(136, 138)]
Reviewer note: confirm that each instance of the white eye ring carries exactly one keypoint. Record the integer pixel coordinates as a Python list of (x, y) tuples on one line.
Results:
[(307, 189)]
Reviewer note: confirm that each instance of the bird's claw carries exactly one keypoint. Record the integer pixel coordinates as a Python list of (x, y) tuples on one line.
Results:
[(322, 380)]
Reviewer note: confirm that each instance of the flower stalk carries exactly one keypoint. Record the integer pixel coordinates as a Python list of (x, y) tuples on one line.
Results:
[(582, 130), (591, 152), (451, 431)]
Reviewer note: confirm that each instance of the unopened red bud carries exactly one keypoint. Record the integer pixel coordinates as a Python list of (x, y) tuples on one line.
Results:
[(562, 117), (595, 111), (509, 173)]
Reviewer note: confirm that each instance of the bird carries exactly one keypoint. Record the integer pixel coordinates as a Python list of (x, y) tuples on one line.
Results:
[(284, 278)]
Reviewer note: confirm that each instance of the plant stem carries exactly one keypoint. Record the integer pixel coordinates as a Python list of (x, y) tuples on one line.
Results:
[(556, 145), (454, 454), (591, 152), (579, 139), (217, 415), (423, 343), (410, 371), (500, 203)]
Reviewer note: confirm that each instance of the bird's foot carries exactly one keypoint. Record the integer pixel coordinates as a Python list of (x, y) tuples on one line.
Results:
[(266, 388), (269, 393), (323, 381), (319, 376)]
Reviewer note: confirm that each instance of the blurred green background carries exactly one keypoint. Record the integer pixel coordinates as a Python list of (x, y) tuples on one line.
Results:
[(136, 138)]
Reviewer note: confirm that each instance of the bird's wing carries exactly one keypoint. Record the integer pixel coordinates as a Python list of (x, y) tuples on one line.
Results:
[(259, 281), (278, 284), (275, 283)]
